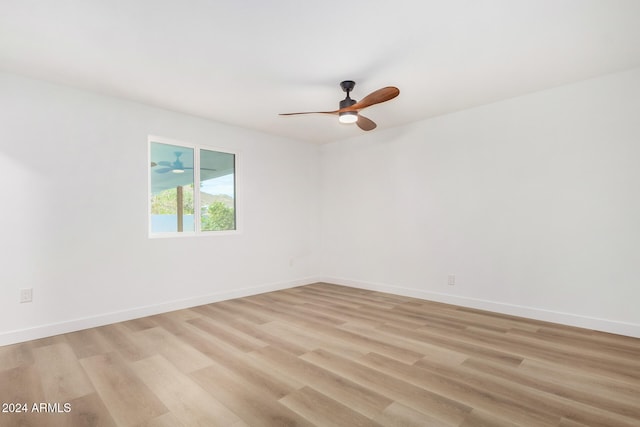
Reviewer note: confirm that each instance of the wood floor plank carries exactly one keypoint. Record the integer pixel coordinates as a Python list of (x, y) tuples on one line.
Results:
[(231, 308), (324, 298), (240, 397), (295, 314), (129, 400), (359, 398), (88, 342), (241, 341), (485, 399), (89, 411), (248, 310), (181, 395), (578, 378), (601, 404), (242, 364), (141, 324), (21, 385), (61, 375), (182, 355), (419, 399), (598, 362), (322, 410), (399, 415), (475, 316), (361, 298), (420, 347), (592, 353), (12, 356), (123, 342), (252, 329), (328, 331), (165, 420), (365, 342), (175, 322), (595, 342), (451, 341), (364, 317), (480, 418), (259, 332), (56, 339), (392, 317), (536, 402), (307, 337), (302, 312)]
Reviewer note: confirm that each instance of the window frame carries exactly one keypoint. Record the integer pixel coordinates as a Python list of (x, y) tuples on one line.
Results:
[(197, 232)]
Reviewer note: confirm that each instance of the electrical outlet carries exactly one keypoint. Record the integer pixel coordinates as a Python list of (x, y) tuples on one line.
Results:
[(26, 295), (451, 280)]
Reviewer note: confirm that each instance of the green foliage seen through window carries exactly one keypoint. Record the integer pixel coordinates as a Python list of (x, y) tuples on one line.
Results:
[(218, 216)]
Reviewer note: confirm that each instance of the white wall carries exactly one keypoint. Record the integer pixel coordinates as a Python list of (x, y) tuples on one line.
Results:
[(73, 213), (533, 203)]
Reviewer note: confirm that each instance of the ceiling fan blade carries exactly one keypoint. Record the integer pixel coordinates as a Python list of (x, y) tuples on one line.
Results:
[(164, 170), (365, 123), (310, 112), (381, 95)]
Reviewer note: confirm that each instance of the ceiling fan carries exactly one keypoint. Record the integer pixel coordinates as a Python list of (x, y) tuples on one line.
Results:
[(349, 108), (175, 167)]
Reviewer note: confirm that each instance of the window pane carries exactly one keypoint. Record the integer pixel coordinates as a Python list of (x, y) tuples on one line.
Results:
[(217, 191), (171, 173)]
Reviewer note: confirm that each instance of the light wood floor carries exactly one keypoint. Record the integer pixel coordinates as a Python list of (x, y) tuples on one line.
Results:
[(326, 355)]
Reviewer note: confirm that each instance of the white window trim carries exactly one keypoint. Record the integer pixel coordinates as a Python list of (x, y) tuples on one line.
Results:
[(196, 194)]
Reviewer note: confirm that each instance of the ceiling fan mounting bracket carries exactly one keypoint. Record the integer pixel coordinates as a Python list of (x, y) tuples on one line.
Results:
[(347, 85)]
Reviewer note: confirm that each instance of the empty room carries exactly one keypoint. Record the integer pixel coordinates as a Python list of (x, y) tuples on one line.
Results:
[(281, 213)]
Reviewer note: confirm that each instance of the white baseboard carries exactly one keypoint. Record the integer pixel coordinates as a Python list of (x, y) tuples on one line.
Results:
[(604, 325), (42, 331), (48, 330)]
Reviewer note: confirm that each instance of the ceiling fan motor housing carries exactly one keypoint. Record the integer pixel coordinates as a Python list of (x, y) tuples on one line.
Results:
[(347, 102)]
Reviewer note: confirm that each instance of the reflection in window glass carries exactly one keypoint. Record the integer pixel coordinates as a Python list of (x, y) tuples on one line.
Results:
[(171, 188), (217, 191)]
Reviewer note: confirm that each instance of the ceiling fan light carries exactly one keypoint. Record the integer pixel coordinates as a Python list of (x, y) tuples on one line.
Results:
[(177, 165), (348, 117)]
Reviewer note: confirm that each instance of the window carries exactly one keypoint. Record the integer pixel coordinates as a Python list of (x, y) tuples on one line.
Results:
[(192, 189)]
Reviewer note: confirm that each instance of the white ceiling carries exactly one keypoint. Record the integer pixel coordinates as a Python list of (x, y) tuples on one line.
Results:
[(242, 62)]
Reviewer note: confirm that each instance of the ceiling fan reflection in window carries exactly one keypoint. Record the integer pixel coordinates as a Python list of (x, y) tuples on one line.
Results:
[(175, 167)]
